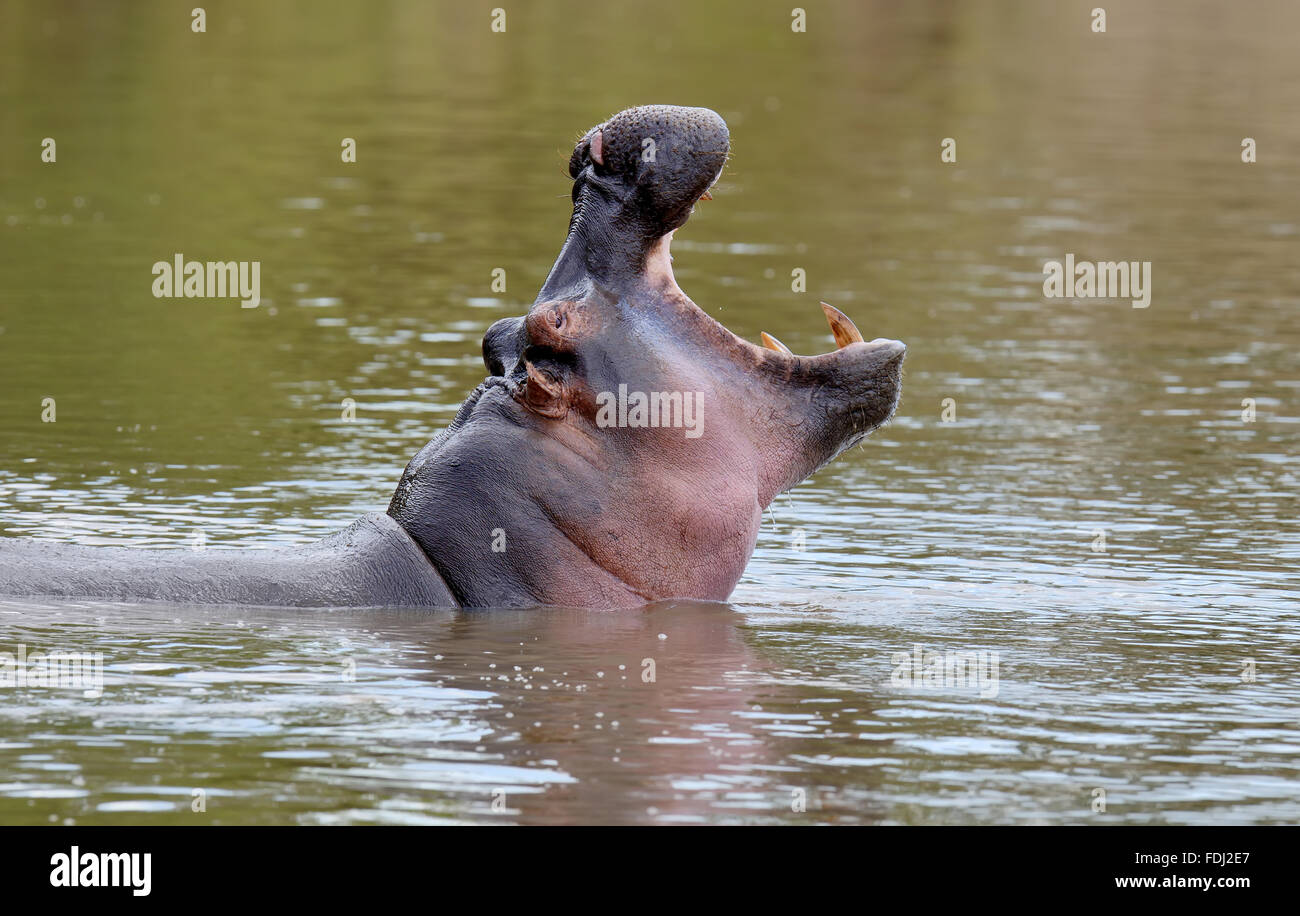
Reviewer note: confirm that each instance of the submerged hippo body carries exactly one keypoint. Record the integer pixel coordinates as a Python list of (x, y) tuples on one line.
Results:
[(621, 451)]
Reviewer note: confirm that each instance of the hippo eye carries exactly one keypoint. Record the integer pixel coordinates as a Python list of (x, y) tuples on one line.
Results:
[(551, 325), (558, 313)]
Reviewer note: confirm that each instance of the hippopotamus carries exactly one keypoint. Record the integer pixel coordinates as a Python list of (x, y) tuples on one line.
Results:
[(621, 450)]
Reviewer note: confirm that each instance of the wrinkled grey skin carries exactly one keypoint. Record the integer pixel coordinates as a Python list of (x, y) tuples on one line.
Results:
[(588, 516)]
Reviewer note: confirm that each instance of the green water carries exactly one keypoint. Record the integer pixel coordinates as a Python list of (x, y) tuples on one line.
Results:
[(1079, 424)]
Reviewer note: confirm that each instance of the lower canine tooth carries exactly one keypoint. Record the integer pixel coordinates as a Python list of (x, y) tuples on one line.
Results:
[(773, 344), (845, 331)]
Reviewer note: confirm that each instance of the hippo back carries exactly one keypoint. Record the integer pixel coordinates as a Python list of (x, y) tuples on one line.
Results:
[(371, 563)]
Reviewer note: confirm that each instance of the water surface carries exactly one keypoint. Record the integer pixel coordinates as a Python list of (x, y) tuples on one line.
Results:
[(1097, 512)]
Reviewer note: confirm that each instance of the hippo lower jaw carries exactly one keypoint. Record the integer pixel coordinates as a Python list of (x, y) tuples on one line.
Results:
[(856, 387)]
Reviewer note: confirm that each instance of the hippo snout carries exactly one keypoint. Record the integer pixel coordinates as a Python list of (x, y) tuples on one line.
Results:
[(658, 159)]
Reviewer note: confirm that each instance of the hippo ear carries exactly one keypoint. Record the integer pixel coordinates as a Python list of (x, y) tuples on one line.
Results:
[(543, 394), (503, 344)]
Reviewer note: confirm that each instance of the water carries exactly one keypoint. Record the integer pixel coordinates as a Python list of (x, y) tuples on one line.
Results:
[(1097, 514)]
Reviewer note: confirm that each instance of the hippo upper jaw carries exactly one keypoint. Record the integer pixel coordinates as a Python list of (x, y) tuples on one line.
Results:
[(659, 159), (636, 179)]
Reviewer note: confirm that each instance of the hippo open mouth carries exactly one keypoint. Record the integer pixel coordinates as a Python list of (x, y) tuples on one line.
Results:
[(634, 510), (622, 449)]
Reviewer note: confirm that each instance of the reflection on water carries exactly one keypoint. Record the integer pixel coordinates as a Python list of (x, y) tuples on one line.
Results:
[(1096, 511), (775, 711)]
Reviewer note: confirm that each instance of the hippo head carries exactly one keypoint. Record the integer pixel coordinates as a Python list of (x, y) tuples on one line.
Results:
[(625, 444)]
